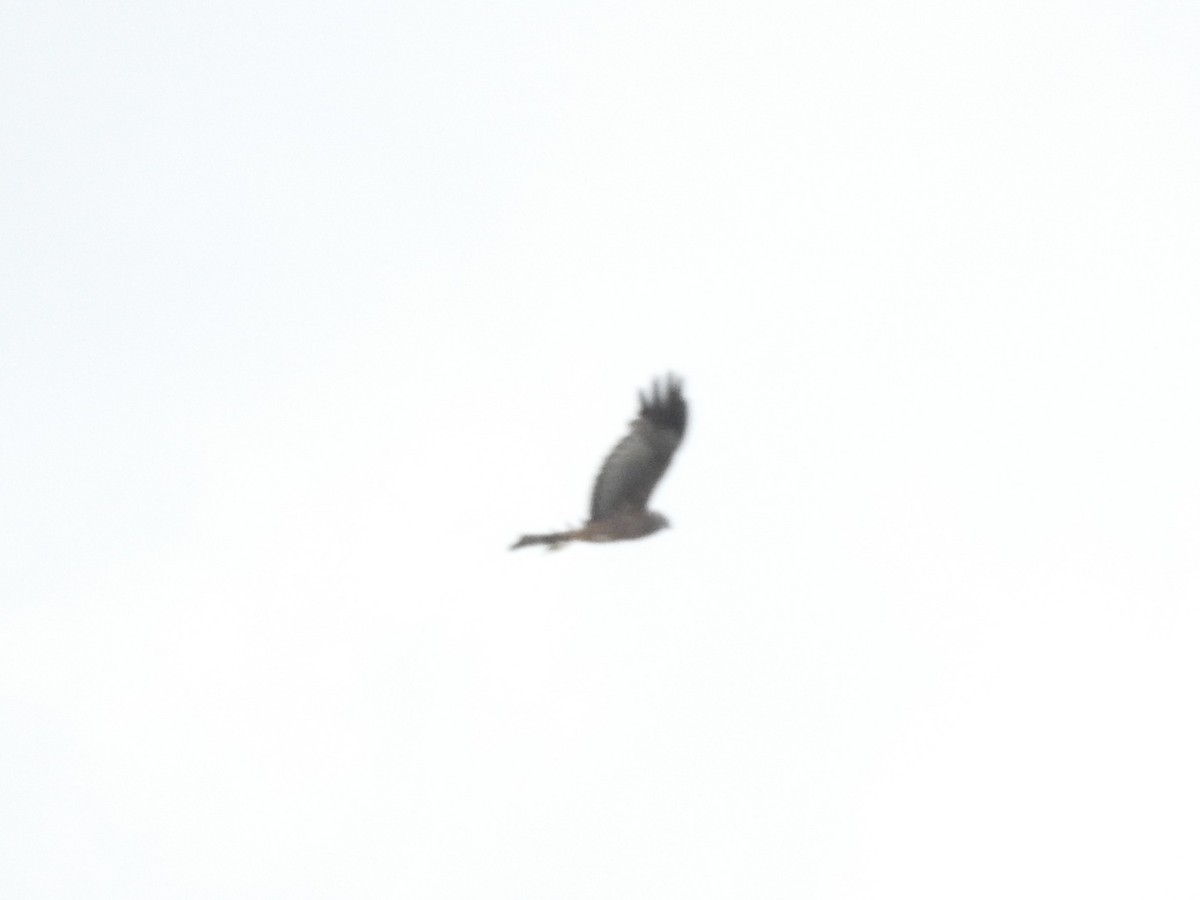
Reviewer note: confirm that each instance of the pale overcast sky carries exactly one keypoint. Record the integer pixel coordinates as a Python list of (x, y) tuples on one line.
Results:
[(308, 310)]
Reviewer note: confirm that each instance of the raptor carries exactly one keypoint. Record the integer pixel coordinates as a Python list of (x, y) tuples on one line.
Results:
[(630, 473)]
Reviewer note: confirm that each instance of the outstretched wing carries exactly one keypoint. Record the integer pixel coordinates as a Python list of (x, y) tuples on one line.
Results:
[(636, 464)]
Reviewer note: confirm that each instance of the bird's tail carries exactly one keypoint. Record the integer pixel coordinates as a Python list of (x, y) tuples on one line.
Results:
[(552, 541)]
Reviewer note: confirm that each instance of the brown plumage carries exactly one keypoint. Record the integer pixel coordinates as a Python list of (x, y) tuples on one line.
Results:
[(630, 473)]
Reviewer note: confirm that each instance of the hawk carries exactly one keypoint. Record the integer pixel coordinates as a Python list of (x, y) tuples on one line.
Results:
[(630, 473)]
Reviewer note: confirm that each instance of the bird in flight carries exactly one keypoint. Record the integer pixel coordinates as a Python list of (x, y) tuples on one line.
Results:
[(630, 473)]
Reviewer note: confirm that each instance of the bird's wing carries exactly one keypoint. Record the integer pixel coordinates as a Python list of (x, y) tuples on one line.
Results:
[(636, 464)]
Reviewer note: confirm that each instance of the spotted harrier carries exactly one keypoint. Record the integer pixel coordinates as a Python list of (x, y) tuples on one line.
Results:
[(630, 473)]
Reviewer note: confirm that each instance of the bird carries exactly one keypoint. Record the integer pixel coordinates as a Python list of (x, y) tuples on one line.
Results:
[(630, 473)]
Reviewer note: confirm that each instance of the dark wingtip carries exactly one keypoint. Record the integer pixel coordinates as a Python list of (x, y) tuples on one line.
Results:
[(664, 404)]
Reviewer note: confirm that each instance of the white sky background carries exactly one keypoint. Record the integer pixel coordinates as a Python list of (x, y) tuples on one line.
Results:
[(307, 311)]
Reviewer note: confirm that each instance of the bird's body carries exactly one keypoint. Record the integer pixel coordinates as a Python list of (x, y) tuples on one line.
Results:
[(630, 473)]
